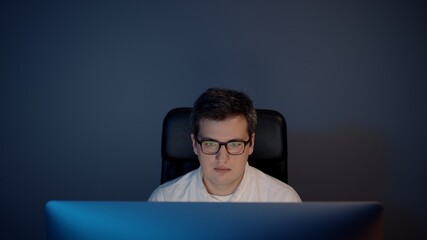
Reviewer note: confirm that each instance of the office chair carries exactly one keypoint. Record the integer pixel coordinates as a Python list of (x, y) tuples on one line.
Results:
[(270, 150)]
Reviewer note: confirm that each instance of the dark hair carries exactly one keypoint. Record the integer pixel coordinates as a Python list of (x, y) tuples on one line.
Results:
[(218, 104)]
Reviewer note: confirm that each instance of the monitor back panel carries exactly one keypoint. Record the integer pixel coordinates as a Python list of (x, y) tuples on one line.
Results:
[(72, 220)]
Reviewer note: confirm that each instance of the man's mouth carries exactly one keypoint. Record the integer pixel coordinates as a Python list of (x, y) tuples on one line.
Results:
[(222, 169)]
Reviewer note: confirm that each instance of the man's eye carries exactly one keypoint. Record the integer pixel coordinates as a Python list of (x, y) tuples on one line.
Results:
[(234, 144), (209, 143)]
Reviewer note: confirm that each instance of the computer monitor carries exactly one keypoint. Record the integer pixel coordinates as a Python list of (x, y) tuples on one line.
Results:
[(86, 220)]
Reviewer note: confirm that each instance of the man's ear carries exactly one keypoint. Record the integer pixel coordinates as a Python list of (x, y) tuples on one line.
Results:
[(193, 140), (251, 147)]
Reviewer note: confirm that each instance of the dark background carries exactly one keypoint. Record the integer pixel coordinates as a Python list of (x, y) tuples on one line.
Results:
[(85, 86)]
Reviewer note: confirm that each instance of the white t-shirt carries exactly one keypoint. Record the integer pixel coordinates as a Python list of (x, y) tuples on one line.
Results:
[(255, 186)]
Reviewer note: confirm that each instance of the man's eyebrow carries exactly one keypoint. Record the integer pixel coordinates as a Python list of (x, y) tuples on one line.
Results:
[(207, 139), (231, 140), (237, 140)]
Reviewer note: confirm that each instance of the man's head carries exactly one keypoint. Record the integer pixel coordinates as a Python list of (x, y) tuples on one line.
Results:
[(223, 132), (218, 104)]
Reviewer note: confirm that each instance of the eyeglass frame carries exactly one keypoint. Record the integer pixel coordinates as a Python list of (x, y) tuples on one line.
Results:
[(223, 144)]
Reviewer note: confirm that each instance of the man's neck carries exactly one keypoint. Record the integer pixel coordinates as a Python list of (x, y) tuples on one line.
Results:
[(221, 190)]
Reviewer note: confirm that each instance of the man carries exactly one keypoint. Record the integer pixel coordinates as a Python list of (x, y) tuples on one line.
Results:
[(223, 125)]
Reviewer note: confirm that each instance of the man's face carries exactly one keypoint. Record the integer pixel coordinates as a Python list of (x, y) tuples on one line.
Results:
[(223, 172)]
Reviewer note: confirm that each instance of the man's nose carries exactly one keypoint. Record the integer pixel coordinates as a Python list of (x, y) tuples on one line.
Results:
[(223, 154)]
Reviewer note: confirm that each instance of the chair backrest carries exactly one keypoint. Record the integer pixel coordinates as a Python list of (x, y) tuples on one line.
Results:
[(270, 150)]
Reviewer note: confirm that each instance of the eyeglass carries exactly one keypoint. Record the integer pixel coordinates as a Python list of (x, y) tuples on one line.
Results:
[(233, 147)]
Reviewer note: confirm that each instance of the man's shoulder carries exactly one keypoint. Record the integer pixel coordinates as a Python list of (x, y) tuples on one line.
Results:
[(170, 189), (181, 181), (272, 187)]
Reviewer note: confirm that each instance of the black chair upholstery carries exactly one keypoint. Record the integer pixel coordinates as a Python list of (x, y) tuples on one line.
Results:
[(270, 152)]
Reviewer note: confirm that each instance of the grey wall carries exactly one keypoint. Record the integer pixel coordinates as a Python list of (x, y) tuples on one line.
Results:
[(85, 85)]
